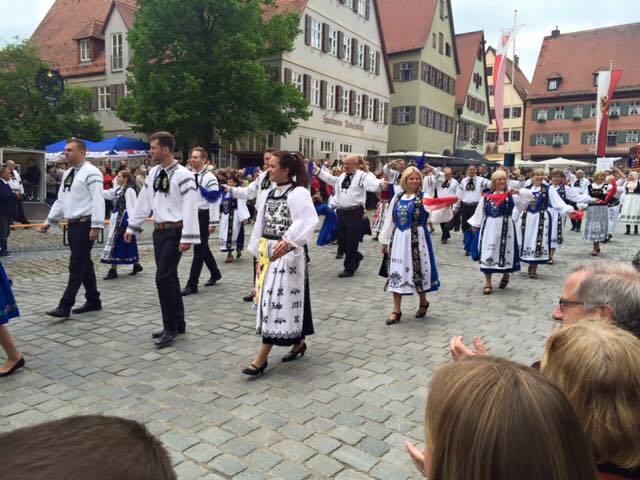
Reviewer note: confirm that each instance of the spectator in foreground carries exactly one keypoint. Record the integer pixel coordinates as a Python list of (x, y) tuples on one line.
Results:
[(492, 419), (597, 366), (84, 447)]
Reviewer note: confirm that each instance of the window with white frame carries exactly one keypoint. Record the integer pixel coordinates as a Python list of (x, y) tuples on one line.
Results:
[(541, 139), (349, 3), (578, 111), (553, 84), (358, 104), (404, 115), (104, 98), (591, 137), (370, 109), (515, 135), (117, 55), (614, 110), (558, 139), (634, 108), (127, 92), (85, 50), (558, 113), (315, 93), (593, 112), (307, 146), (331, 97), (381, 112), (612, 137), (406, 70), (372, 60), (316, 33), (345, 100), (542, 114), (297, 80), (361, 56), (327, 146), (333, 43), (346, 52), (631, 136), (346, 148), (362, 7)]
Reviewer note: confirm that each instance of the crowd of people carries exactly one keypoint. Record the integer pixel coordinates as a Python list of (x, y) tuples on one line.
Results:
[(574, 414)]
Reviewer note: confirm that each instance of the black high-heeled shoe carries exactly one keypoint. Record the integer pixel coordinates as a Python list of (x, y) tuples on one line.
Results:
[(137, 268), (394, 318), (293, 354), (422, 311), (254, 371), (111, 274)]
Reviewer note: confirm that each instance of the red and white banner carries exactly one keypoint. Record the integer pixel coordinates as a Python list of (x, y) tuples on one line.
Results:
[(607, 82), (499, 74)]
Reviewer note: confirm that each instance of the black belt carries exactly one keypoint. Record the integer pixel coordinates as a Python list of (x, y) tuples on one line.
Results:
[(470, 204), (168, 225), (350, 209), (272, 237), (86, 218)]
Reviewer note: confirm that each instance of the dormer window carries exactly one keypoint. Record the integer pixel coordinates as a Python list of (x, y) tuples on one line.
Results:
[(553, 84), (85, 51)]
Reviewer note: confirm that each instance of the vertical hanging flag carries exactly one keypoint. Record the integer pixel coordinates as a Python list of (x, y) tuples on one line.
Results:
[(607, 82), (499, 73)]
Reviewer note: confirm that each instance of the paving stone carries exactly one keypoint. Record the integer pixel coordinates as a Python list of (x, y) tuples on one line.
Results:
[(290, 471), (202, 453), (293, 450), (228, 464), (355, 458), (325, 466)]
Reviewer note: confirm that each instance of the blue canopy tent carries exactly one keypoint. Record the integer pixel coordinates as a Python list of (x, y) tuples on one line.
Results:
[(119, 147), (54, 151)]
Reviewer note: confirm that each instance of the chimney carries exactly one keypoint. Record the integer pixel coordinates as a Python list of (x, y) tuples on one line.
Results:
[(555, 33)]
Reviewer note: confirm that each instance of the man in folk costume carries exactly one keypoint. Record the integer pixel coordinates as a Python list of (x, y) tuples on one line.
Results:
[(255, 190), (284, 226), (350, 191), (441, 184), (170, 192), (469, 192), (80, 201), (208, 218)]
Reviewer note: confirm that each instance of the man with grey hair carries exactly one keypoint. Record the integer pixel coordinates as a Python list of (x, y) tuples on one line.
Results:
[(7, 209)]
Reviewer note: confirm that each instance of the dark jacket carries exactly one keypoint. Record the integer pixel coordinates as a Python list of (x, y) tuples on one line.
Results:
[(7, 200)]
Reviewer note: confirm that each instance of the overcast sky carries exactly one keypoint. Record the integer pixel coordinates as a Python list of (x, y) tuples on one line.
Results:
[(20, 17)]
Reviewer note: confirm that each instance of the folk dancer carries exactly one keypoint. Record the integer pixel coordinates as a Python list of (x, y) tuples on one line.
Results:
[(7, 210), (614, 204), (15, 183), (80, 201), (349, 197), (170, 192), (597, 216), (405, 238), (255, 190), (116, 250), (534, 223), (569, 196), (581, 184), (441, 184), (8, 310), (208, 218), (469, 192), (233, 212), (284, 225), (630, 200)]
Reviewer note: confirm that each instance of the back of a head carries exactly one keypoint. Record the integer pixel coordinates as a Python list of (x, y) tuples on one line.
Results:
[(492, 419), (597, 366), (82, 448)]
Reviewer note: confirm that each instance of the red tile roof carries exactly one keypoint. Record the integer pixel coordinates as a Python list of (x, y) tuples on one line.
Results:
[(406, 23), (284, 6), (468, 45), (522, 85), (68, 20), (91, 30), (577, 56)]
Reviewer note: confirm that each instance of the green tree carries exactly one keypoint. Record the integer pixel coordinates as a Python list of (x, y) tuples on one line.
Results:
[(26, 118), (200, 70)]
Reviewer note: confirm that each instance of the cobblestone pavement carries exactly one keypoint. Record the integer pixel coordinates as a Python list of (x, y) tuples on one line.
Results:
[(343, 411)]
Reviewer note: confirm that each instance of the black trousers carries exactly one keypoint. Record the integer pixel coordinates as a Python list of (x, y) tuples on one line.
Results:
[(5, 231), (202, 253), (20, 216), (167, 254), (466, 212), (349, 235), (446, 228), (81, 271), (455, 221)]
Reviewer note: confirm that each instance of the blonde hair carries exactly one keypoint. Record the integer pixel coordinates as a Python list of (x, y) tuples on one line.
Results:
[(497, 175), (597, 366), (598, 175), (538, 171), (406, 173), (493, 419)]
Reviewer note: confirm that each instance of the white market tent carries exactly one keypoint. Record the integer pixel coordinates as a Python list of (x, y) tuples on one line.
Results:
[(560, 162)]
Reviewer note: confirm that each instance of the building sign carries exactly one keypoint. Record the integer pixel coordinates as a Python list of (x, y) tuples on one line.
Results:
[(339, 123)]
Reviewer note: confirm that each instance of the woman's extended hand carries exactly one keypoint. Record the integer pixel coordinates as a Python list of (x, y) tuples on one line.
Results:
[(280, 250)]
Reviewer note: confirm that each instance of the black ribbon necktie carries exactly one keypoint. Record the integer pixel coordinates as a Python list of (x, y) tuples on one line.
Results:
[(445, 184), (266, 182), (577, 184), (197, 180), (161, 182), (471, 186), (69, 180), (346, 183)]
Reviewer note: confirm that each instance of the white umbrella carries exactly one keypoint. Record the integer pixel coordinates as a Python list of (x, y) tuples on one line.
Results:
[(565, 162)]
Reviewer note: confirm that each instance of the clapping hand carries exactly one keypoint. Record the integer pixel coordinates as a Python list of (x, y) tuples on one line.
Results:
[(459, 350)]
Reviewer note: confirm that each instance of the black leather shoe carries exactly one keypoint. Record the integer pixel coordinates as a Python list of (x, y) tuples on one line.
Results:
[(213, 279), (137, 268), (293, 354), (339, 256), (166, 339), (181, 331), (345, 274), (188, 291), (254, 370), (248, 298), (59, 312), (88, 307), (111, 274), (18, 365)]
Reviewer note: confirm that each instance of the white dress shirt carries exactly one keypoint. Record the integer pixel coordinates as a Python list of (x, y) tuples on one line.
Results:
[(209, 181), (15, 182), (255, 190), (583, 188), (472, 196), (84, 198), (356, 194), (179, 204), (435, 183)]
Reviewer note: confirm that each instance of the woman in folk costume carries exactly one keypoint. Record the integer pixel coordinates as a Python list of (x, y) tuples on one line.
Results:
[(571, 197), (283, 229), (116, 250), (614, 205), (630, 200), (233, 211), (533, 227), (597, 217), (405, 238), (493, 223), (329, 228), (381, 210), (8, 310)]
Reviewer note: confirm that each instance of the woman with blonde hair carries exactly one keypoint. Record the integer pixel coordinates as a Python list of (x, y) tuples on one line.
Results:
[(405, 238), (497, 245), (492, 419), (597, 366)]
